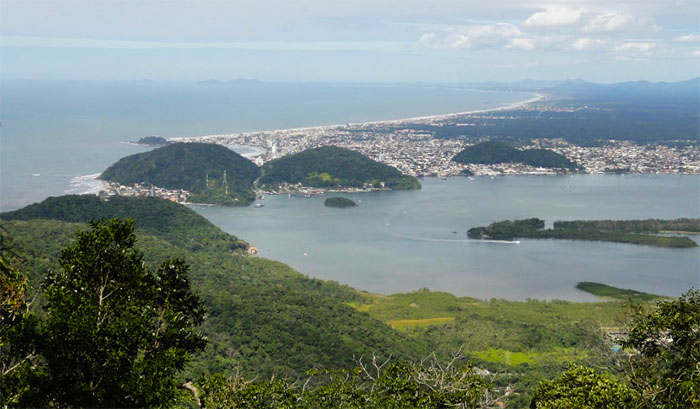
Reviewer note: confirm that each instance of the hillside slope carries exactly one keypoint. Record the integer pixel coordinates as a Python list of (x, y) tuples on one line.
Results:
[(493, 152), (332, 167), (188, 166), (263, 317)]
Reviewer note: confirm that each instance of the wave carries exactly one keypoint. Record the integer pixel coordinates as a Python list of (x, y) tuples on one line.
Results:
[(85, 184)]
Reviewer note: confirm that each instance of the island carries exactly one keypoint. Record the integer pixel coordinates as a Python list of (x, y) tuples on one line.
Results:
[(193, 172), (152, 141), (339, 202), (605, 291), (533, 228), (331, 167), (493, 152)]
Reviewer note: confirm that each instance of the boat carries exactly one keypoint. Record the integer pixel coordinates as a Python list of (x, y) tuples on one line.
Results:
[(259, 205), (307, 195)]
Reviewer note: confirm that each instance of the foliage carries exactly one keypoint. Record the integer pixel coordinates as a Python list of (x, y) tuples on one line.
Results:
[(332, 167), (173, 222), (379, 385), (582, 388), (492, 152), (666, 369), (264, 318), (607, 291), (152, 141), (187, 166), (632, 226), (339, 202), (117, 334), (532, 229)]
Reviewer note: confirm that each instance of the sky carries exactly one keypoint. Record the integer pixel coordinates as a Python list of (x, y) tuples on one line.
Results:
[(433, 41)]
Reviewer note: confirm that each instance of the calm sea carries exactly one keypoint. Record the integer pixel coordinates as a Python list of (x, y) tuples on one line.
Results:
[(56, 134), (402, 241)]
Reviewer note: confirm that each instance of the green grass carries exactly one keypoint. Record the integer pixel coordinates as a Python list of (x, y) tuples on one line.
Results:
[(610, 292), (504, 356), (403, 325)]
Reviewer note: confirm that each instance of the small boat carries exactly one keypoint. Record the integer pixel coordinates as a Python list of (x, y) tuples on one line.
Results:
[(307, 196), (259, 205)]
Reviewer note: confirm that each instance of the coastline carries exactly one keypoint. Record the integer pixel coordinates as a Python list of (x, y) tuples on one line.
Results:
[(536, 98)]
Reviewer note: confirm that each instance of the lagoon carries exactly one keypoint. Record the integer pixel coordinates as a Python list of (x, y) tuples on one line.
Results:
[(403, 241)]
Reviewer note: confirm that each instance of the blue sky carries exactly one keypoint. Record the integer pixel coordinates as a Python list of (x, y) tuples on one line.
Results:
[(350, 41)]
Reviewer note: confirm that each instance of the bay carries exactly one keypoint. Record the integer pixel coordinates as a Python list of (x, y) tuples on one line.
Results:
[(53, 133), (403, 241)]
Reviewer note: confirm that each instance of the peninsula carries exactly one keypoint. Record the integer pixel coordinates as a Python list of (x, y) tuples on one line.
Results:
[(534, 229), (201, 172), (331, 167)]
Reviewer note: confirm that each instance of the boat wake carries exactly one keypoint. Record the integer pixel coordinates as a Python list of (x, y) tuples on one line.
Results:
[(436, 240)]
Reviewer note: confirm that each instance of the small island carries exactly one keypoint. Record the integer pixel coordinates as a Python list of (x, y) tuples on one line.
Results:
[(582, 230), (339, 202), (614, 293), (494, 152), (152, 141)]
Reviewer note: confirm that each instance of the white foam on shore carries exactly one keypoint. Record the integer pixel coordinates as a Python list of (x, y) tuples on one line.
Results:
[(85, 185)]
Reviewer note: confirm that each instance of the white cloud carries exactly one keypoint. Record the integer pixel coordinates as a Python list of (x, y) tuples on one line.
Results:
[(688, 38), (525, 44), (586, 43), (619, 21), (555, 17), (427, 39), (481, 36), (695, 53), (632, 49)]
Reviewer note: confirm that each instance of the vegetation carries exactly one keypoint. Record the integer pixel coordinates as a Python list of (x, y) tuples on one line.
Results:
[(607, 291), (533, 229), (583, 388), (492, 152), (340, 202), (334, 167), (195, 167), (263, 318), (633, 226), (152, 141), (113, 333)]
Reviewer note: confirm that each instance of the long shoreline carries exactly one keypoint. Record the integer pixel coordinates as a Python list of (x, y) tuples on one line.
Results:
[(537, 97)]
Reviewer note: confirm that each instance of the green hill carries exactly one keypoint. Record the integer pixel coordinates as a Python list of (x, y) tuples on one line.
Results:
[(339, 202), (334, 167), (263, 317), (493, 152), (186, 166)]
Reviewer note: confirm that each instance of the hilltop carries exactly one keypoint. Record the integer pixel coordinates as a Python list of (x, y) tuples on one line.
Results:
[(493, 152), (196, 167), (334, 167), (263, 317)]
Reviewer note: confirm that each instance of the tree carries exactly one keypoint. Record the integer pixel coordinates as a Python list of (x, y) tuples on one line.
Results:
[(116, 334), (582, 388), (666, 367)]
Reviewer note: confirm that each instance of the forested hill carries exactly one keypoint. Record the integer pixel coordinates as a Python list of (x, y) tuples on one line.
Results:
[(493, 152), (263, 317), (186, 166), (170, 221), (331, 166)]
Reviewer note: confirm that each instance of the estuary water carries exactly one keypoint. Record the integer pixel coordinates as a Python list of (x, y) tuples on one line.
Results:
[(403, 241)]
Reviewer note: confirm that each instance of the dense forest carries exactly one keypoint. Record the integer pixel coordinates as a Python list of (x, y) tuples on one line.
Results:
[(261, 318), (493, 152), (332, 167), (339, 202), (191, 166), (534, 229), (633, 226), (259, 310)]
